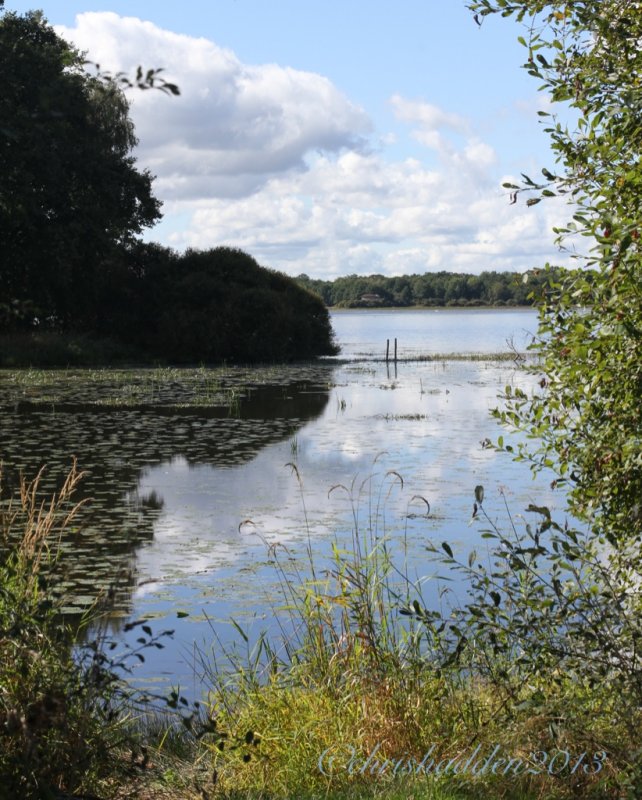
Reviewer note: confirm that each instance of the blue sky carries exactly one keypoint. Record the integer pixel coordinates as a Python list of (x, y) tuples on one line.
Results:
[(334, 137)]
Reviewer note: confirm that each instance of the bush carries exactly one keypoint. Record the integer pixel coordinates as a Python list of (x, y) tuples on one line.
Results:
[(217, 305)]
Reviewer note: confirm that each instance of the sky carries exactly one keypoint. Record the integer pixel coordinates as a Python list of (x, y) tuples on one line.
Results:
[(331, 137)]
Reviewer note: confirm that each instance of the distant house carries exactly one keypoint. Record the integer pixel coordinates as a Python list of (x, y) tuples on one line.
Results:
[(371, 298)]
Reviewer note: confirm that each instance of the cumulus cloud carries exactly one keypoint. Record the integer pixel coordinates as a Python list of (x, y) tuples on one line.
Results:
[(430, 117), (279, 162), (234, 125), (358, 214)]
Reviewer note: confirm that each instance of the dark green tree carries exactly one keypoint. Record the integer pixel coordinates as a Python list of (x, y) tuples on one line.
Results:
[(214, 305), (70, 191)]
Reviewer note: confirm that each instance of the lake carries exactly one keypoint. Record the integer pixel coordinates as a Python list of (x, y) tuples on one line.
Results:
[(195, 475), (421, 332)]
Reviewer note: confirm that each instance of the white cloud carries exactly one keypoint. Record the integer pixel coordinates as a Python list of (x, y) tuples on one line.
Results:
[(234, 125), (278, 161), (357, 213), (429, 117)]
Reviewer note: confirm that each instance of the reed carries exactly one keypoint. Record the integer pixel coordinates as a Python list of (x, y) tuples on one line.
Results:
[(61, 726), (347, 675), (364, 678)]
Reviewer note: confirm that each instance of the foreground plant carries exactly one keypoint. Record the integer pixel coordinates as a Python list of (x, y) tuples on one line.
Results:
[(551, 626), (528, 688), (51, 737), (586, 420), (64, 708)]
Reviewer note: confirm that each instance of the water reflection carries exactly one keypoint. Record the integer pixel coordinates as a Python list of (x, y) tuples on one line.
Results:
[(176, 463), (425, 426), (431, 421), (117, 447)]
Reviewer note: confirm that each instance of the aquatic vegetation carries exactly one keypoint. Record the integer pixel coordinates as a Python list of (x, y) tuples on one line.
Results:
[(395, 417)]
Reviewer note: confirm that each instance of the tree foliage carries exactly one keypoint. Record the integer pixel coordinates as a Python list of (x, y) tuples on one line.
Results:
[(143, 79), (72, 203), (587, 417), (69, 187), (210, 306)]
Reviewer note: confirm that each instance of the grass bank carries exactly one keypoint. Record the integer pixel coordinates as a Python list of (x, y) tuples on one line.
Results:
[(369, 693)]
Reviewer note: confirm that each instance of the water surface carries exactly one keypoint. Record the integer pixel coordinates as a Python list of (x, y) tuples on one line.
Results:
[(195, 474), (427, 332)]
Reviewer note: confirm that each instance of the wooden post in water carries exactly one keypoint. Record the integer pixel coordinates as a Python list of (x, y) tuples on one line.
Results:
[(395, 350), (387, 349)]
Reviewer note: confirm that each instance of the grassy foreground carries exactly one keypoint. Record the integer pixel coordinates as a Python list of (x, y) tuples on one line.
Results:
[(362, 699)]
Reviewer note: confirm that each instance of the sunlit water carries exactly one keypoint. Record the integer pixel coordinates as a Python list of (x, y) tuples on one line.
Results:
[(421, 332), (188, 504)]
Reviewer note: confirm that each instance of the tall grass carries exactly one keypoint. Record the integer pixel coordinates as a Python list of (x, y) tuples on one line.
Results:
[(364, 677), (60, 730), (348, 676), (364, 692)]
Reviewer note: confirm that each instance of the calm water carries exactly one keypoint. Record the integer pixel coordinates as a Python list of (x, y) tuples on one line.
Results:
[(433, 331), (187, 497)]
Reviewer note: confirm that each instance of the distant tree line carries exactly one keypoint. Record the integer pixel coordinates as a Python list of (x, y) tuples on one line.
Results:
[(72, 206), (429, 289)]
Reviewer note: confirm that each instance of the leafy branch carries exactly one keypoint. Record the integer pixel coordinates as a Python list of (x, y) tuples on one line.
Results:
[(143, 79)]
